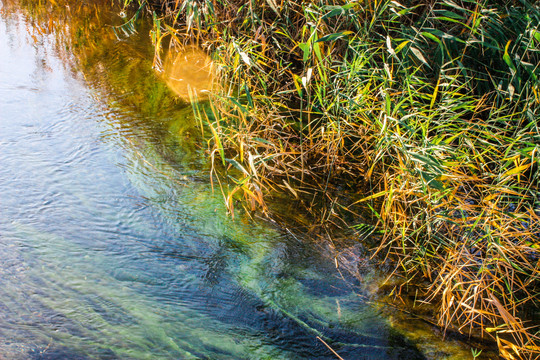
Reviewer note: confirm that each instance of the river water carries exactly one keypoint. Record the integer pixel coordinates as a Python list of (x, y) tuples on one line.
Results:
[(113, 244)]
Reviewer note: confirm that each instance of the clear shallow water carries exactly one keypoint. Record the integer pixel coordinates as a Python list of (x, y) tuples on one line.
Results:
[(113, 245)]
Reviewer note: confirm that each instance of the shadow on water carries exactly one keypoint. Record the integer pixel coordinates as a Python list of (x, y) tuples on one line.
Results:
[(113, 244)]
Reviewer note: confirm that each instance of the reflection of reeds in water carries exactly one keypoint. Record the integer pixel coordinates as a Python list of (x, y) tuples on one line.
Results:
[(189, 72)]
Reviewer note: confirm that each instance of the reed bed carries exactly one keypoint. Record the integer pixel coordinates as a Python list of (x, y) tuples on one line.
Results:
[(415, 119)]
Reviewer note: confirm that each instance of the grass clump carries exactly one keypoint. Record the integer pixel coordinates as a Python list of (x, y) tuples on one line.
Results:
[(420, 115)]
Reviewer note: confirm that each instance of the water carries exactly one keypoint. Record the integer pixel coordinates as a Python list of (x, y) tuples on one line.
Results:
[(113, 244)]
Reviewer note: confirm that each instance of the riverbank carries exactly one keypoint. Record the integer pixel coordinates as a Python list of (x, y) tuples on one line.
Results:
[(415, 121)]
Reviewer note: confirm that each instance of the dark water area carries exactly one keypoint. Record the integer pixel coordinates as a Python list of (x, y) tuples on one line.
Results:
[(113, 244)]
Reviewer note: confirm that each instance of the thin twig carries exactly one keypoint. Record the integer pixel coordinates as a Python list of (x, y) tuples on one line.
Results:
[(329, 348)]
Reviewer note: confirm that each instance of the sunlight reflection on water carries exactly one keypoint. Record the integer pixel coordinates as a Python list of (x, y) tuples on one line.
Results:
[(189, 72)]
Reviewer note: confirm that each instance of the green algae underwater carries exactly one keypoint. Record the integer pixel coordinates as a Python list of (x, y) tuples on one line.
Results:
[(113, 243)]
